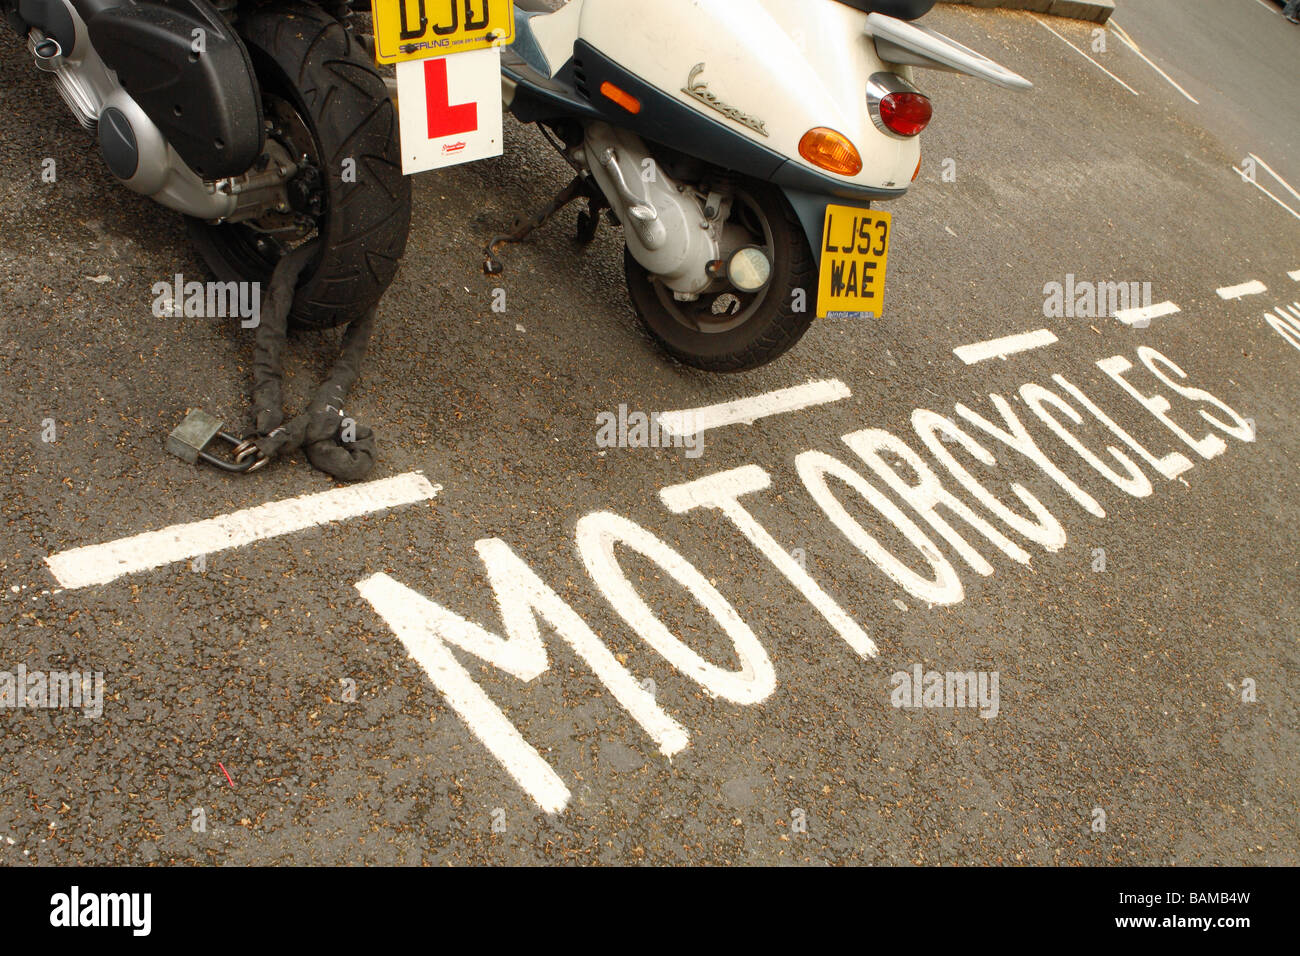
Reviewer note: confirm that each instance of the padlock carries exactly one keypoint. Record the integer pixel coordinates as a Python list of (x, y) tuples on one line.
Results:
[(189, 440)]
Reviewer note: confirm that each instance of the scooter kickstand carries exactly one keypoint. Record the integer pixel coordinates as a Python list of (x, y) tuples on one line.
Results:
[(525, 227)]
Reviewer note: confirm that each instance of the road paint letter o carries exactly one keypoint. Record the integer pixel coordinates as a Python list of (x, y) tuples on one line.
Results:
[(597, 536), (928, 494), (945, 588)]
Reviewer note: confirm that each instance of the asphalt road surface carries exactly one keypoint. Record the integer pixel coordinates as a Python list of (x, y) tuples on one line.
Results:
[(1130, 615)]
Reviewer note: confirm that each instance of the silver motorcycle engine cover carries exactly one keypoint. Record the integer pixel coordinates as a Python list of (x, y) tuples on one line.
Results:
[(665, 225), (91, 90)]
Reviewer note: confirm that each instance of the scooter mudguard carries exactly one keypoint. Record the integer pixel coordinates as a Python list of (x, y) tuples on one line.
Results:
[(811, 210)]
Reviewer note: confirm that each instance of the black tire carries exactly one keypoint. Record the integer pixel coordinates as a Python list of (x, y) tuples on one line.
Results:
[(306, 57), (773, 325)]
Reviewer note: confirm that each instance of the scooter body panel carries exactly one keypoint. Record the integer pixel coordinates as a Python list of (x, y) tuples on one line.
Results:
[(768, 83)]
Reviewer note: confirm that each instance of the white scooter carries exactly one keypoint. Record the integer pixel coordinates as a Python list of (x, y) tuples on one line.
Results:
[(741, 144)]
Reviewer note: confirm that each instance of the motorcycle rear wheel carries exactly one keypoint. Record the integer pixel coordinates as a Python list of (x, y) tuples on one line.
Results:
[(727, 330), (316, 75)]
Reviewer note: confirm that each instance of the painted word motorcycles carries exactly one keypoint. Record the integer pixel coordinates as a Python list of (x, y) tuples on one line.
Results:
[(914, 500)]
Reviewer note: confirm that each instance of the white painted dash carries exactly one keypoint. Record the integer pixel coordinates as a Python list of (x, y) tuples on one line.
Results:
[(693, 421), (1294, 275), (1254, 182), (1001, 348), (1143, 315), (1086, 57), (1253, 287), (1274, 173), (102, 563), (1128, 41)]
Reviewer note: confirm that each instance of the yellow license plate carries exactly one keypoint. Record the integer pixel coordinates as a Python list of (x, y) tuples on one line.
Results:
[(419, 29), (855, 247)]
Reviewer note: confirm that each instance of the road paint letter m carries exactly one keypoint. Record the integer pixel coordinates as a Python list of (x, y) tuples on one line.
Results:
[(428, 630)]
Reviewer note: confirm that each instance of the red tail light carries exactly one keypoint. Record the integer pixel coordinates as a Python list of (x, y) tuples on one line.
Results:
[(905, 113)]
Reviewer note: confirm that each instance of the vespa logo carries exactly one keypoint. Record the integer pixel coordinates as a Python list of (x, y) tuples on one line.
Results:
[(701, 92)]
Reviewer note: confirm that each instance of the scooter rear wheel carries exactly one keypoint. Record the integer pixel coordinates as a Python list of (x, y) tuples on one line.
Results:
[(325, 98), (727, 330)]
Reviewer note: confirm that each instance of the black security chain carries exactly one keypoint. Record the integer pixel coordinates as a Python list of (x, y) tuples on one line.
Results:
[(320, 430)]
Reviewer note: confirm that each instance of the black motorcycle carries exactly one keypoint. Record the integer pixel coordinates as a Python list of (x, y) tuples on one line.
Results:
[(266, 124)]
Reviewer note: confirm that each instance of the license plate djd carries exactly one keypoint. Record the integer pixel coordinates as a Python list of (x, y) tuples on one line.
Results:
[(419, 29)]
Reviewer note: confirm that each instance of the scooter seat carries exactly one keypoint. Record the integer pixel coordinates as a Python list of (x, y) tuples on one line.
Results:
[(900, 9)]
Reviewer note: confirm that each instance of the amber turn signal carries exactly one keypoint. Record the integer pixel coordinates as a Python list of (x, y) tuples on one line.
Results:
[(831, 151), (621, 97)]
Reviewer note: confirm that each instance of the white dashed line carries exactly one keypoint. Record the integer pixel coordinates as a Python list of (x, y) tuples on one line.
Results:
[(1273, 172), (1247, 179), (1143, 315), (1128, 41), (101, 563), (1001, 348), (693, 421), (1295, 275), (1253, 287), (1086, 57)]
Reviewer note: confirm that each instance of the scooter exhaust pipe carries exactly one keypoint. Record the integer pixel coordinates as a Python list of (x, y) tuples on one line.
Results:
[(48, 56)]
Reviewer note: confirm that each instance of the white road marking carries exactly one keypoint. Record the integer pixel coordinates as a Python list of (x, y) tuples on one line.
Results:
[(926, 493), (723, 491), (1128, 41), (1086, 57), (945, 587), (1247, 179), (1001, 348), (418, 629), (1285, 325), (1295, 275), (1146, 313), (1253, 287), (433, 634), (102, 563), (746, 411), (597, 536), (1273, 172)]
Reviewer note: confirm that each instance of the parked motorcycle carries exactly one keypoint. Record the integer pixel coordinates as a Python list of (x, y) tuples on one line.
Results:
[(741, 144), (266, 124)]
